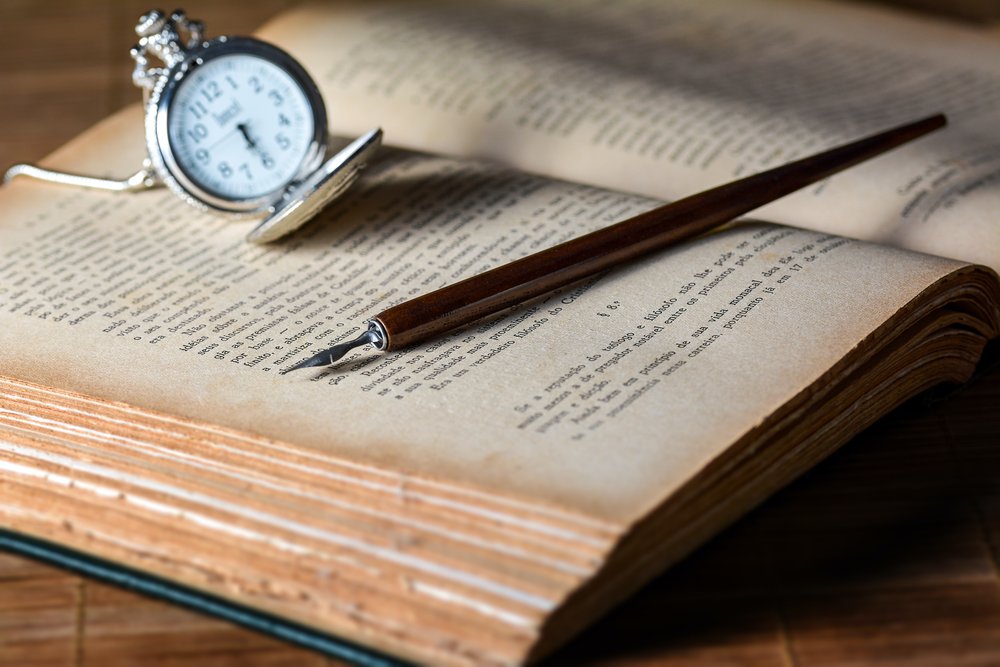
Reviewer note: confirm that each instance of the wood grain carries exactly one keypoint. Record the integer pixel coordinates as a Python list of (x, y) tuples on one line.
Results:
[(887, 554), (443, 310)]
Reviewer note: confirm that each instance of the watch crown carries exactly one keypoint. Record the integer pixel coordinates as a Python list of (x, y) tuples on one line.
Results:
[(150, 23), (167, 39)]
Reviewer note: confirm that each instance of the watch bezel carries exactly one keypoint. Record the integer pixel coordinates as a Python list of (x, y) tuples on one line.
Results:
[(158, 114)]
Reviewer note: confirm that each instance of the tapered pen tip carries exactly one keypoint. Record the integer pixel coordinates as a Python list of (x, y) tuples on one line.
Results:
[(336, 353), (324, 358)]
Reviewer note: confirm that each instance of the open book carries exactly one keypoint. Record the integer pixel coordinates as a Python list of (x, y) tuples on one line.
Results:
[(481, 498)]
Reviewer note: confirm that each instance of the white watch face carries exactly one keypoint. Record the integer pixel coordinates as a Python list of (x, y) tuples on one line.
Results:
[(240, 126)]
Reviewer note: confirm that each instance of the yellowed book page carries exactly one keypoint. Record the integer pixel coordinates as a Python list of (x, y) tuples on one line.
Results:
[(664, 98), (601, 398)]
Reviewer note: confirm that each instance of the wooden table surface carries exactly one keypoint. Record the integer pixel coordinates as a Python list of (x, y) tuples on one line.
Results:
[(887, 554)]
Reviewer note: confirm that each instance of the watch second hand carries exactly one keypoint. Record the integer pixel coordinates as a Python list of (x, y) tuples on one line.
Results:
[(229, 135)]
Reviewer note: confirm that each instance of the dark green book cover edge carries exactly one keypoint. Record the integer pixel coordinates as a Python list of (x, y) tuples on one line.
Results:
[(164, 589)]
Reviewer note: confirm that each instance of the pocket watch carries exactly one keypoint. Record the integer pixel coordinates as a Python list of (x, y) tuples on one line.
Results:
[(234, 126)]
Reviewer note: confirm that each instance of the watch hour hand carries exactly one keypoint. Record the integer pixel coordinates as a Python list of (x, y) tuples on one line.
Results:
[(265, 158), (251, 144)]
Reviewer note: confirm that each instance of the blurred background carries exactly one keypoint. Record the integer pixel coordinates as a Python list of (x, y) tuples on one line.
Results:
[(886, 554), (64, 63)]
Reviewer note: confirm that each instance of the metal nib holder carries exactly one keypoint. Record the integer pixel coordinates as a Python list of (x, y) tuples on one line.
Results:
[(170, 40)]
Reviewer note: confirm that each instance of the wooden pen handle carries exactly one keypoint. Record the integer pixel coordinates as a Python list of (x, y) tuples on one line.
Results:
[(489, 292)]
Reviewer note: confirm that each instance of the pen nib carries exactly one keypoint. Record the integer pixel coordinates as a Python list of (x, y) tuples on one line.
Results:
[(334, 354)]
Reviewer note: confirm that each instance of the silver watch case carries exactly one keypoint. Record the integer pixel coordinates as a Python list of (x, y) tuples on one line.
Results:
[(177, 42), (314, 185)]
